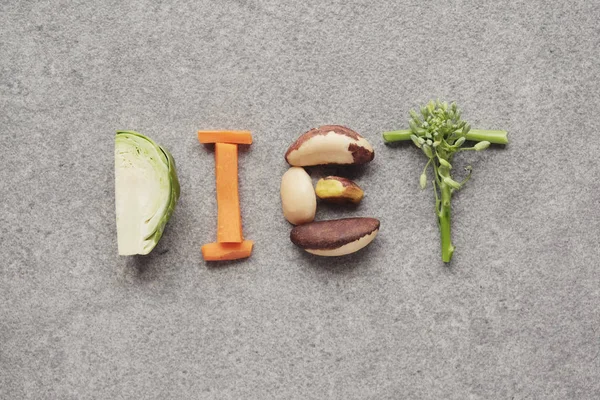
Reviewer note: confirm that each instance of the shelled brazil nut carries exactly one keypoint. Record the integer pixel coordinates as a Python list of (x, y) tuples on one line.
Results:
[(335, 237), (329, 144)]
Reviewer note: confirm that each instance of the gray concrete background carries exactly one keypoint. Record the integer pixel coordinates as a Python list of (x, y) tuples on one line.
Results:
[(516, 315)]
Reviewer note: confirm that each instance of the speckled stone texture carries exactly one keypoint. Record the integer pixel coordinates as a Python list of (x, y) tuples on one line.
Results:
[(515, 316)]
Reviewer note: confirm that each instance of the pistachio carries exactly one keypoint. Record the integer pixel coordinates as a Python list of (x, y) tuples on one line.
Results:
[(329, 144), (298, 198), (339, 190), (335, 237)]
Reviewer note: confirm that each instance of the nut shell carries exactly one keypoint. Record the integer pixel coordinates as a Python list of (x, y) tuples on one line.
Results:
[(329, 144)]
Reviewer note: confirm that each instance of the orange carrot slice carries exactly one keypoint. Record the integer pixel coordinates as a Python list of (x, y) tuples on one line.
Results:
[(236, 137), (227, 251), (229, 228), (230, 243)]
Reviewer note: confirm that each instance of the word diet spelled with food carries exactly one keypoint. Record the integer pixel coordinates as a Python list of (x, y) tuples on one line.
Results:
[(147, 187)]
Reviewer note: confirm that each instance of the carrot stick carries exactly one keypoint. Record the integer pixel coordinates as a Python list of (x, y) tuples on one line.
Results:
[(229, 228), (237, 137), (227, 251), (230, 243)]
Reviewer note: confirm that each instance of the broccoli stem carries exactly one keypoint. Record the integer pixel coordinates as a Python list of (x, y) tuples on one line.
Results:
[(480, 135), (397, 136), (444, 222), (475, 135)]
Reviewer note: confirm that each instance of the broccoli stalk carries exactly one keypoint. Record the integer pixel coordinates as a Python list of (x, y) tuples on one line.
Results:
[(440, 132)]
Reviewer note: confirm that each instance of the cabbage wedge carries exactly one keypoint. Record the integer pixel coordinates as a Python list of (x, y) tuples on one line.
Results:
[(146, 191)]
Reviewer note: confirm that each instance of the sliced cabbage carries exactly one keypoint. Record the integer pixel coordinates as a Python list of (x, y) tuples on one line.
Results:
[(146, 191)]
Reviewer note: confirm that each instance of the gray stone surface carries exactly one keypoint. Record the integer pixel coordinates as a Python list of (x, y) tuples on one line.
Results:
[(516, 315)]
